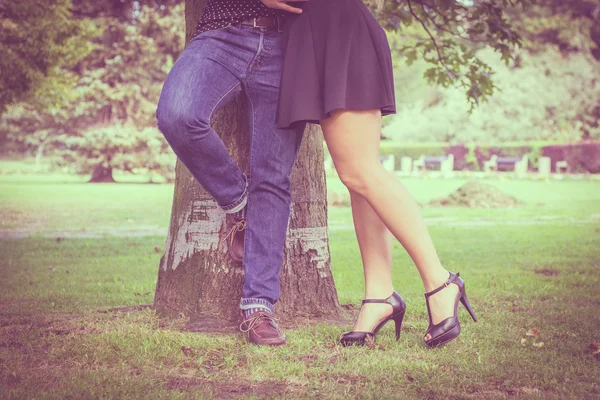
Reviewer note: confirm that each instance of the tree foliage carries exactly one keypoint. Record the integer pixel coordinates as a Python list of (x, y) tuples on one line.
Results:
[(549, 91), (116, 90), (573, 26), (451, 31), (546, 97), (39, 40)]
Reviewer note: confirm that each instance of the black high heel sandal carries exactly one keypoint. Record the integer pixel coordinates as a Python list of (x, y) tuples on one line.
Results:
[(449, 328), (355, 338)]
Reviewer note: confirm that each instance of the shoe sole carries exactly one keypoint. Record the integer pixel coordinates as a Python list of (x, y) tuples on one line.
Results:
[(442, 340), (233, 257), (269, 343)]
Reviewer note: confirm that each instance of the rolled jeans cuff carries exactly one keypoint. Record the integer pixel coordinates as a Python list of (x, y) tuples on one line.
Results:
[(248, 303), (239, 203)]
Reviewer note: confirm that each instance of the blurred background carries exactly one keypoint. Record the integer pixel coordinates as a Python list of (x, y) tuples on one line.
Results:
[(80, 82)]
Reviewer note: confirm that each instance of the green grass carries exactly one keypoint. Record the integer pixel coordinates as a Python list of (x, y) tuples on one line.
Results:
[(59, 337)]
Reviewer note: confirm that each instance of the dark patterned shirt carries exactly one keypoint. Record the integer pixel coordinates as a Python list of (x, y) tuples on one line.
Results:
[(221, 13)]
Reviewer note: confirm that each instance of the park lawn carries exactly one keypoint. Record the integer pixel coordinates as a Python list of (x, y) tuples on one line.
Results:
[(41, 204), (60, 337)]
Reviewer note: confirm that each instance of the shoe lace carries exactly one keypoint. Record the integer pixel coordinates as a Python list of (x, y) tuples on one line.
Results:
[(251, 323), (238, 227)]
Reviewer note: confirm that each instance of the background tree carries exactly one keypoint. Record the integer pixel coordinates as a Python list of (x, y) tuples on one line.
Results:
[(115, 90), (38, 39)]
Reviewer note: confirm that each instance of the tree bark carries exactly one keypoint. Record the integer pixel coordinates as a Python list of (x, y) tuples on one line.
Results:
[(102, 174), (196, 278)]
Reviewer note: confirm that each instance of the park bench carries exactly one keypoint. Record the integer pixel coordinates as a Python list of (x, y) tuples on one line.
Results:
[(560, 165), (388, 162), (445, 163), (520, 163)]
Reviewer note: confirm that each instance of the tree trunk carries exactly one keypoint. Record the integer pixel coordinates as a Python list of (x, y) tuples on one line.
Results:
[(196, 277), (102, 174)]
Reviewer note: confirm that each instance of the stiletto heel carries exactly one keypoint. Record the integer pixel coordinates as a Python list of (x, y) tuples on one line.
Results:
[(398, 322), (356, 338), (449, 328), (465, 302)]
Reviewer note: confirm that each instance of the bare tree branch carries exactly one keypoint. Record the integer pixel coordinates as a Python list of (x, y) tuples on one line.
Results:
[(457, 34), (437, 48)]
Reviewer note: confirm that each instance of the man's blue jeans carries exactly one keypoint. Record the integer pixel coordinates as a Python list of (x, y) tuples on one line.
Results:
[(216, 66)]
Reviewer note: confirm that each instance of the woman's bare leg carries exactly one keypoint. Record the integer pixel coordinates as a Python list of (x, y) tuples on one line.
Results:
[(352, 139), (375, 243)]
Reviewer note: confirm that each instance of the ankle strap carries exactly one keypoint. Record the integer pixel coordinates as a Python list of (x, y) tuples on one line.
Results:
[(386, 301), (451, 279), (375, 301), (395, 300)]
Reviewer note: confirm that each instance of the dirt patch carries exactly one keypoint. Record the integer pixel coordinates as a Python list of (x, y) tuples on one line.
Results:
[(183, 384), (265, 389), (9, 380), (232, 390), (354, 380), (128, 309), (547, 272), (475, 194), (210, 324)]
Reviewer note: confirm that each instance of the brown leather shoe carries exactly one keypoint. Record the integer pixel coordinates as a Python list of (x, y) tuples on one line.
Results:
[(236, 232), (262, 329)]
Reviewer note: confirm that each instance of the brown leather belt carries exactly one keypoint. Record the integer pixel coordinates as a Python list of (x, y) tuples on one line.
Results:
[(264, 22)]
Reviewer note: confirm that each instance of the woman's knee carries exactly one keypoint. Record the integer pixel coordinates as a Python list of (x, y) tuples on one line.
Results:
[(359, 180), (355, 182)]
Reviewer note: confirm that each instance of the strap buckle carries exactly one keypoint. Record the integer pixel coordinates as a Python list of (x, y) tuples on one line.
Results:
[(452, 279)]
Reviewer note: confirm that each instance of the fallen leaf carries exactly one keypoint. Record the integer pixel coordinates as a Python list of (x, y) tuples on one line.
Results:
[(188, 351), (596, 347), (538, 344), (512, 390), (190, 364), (157, 249), (370, 341), (533, 332), (523, 341), (58, 239)]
